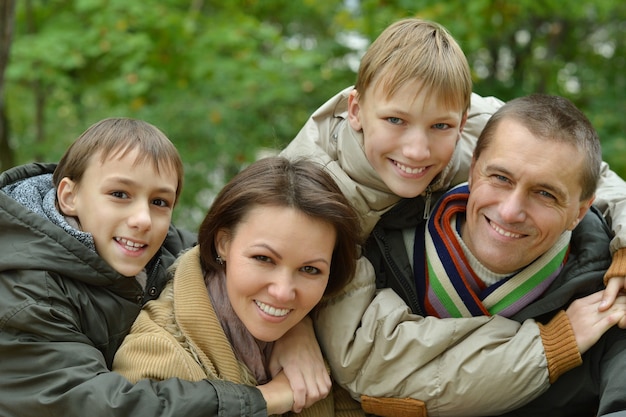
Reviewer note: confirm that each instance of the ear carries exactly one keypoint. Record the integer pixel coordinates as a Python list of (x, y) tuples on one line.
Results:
[(582, 210), (66, 196), (469, 175), (354, 108), (222, 243), (463, 121)]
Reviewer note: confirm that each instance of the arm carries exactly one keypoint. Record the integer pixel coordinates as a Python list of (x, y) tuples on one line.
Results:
[(611, 200), (376, 347), (299, 355), (50, 367)]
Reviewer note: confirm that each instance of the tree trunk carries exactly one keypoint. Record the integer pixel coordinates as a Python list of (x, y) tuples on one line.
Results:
[(7, 11)]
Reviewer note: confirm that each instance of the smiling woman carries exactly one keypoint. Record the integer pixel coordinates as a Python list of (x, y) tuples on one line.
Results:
[(278, 237)]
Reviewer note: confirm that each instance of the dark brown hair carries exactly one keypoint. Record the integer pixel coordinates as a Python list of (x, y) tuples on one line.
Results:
[(302, 185)]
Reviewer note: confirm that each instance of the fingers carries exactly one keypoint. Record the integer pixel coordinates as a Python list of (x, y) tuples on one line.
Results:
[(589, 323), (613, 287), (308, 389)]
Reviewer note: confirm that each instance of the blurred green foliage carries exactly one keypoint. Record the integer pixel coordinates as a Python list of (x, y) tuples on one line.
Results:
[(225, 80)]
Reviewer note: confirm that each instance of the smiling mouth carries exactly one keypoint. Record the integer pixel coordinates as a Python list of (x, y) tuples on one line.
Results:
[(130, 245), (276, 312), (408, 169), (503, 232)]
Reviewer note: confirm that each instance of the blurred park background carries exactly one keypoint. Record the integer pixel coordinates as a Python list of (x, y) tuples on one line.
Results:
[(227, 80)]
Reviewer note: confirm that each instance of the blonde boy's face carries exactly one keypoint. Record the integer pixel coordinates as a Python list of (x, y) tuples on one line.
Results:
[(409, 138), (126, 207)]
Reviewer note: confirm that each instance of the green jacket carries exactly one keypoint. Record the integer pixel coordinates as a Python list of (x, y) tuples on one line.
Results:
[(63, 314)]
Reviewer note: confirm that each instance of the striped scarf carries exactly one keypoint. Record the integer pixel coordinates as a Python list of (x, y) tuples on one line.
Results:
[(451, 288)]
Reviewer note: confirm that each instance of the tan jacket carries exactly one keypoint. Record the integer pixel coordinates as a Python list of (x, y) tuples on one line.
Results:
[(457, 367), (179, 336)]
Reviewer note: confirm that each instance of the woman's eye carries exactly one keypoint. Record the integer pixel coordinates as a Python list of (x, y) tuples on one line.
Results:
[(311, 270), (263, 258)]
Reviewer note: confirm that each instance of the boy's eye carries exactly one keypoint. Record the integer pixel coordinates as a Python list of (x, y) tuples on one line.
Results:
[(160, 202), (119, 194), (441, 126), (394, 120)]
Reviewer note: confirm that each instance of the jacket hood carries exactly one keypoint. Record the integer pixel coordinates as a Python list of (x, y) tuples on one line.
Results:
[(32, 241)]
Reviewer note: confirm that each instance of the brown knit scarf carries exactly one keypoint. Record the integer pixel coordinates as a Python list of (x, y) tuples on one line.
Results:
[(252, 352)]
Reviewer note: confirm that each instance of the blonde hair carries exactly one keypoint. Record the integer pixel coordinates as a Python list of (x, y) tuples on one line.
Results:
[(300, 184), (415, 49)]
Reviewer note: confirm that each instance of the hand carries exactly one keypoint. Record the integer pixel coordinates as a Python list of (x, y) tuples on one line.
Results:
[(298, 354), (613, 287), (277, 394), (589, 323)]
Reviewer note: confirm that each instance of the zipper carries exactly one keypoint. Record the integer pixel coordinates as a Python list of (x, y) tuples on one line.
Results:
[(427, 202)]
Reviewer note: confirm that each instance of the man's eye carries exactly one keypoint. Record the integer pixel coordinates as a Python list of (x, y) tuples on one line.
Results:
[(547, 195)]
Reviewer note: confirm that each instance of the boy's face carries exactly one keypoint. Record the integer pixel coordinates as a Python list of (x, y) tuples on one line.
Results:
[(126, 207), (409, 138), (524, 193)]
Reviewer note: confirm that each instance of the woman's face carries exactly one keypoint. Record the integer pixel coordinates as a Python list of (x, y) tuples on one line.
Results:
[(277, 268)]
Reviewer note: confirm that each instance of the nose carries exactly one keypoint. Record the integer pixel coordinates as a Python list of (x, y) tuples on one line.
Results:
[(513, 207), (282, 287), (140, 217), (416, 146)]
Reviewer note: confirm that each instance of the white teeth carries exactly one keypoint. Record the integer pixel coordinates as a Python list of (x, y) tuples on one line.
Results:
[(409, 170), (278, 312), (504, 232), (130, 245)]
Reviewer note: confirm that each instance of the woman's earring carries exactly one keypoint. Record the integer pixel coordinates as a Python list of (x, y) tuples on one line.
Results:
[(220, 260)]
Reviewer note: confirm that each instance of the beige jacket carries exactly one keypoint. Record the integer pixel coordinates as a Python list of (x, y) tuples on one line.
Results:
[(179, 336)]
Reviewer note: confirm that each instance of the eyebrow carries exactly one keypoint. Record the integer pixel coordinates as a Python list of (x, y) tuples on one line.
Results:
[(269, 248), (129, 181)]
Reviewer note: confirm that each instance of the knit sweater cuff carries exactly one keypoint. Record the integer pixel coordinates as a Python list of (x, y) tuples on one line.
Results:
[(618, 265), (560, 345)]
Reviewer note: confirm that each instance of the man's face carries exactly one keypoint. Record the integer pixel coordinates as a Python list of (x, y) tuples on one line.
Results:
[(409, 138), (524, 193), (126, 207)]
